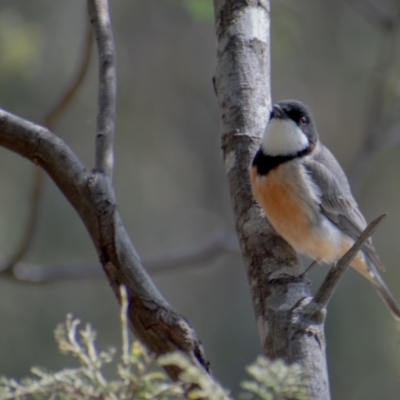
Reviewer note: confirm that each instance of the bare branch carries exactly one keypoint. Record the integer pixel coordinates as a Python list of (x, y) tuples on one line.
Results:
[(49, 121), (68, 96), (99, 14), (30, 223), (373, 13), (222, 244), (47, 150), (376, 107), (332, 280), (188, 258), (151, 317)]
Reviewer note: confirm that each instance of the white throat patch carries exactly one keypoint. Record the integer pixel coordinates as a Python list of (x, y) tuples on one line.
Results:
[(283, 137)]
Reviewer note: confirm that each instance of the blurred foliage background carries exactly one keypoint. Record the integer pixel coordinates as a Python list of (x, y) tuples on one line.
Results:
[(170, 180)]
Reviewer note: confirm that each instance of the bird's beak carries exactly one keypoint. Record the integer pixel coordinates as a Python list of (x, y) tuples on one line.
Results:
[(277, 112)]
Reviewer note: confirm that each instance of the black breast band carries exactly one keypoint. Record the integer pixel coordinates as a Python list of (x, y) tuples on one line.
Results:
[(265, 163)]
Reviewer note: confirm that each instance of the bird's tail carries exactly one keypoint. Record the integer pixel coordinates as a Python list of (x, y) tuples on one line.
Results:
[(386, 296), (368, 269)]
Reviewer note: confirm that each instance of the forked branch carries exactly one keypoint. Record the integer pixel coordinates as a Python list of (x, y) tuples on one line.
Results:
[(91, 194)]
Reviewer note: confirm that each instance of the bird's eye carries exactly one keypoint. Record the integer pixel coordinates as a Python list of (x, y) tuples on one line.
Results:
[(304, 120)]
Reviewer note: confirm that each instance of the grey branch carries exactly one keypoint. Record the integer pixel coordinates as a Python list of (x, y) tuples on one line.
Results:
[(58, 110), (331, 281), (30, 224), (98, 11), (187, 259), (373, 13), (376, 120), (243, 90), (152, 319)]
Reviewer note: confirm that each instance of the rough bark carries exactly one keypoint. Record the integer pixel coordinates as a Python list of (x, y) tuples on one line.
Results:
[(151, 317), (290, 325)]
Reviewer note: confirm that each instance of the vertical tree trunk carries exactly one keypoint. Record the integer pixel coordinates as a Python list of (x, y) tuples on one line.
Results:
[(288, 327)]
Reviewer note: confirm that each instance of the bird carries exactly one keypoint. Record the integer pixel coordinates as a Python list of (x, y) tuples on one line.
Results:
[(306, 196)]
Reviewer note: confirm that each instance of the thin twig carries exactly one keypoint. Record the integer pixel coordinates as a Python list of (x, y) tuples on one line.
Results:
[(99, 14), (331, 281), (30, 223), (222, 244), (124, 322), (49, 121), (66, 99), (187, 259), (376, 106), (373, 13)]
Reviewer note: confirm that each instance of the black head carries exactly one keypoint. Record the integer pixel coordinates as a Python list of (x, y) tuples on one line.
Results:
[(290, 134), (300, 114)]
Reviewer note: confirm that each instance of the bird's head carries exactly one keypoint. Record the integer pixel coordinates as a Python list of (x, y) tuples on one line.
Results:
[(290, 130)]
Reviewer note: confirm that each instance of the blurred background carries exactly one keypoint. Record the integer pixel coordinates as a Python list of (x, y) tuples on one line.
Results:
[(338, 57)]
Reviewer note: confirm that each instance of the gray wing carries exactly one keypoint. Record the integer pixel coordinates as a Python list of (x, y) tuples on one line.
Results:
[(337, 203)]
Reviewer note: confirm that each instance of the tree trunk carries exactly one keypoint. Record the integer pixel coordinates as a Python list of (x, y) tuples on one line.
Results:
[(289, 326)]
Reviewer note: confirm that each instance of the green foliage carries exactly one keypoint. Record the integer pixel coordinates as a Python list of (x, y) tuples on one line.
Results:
[(200, 9), (205, 385), (140, 376), (20, 42), (136, 376), (273, 380)]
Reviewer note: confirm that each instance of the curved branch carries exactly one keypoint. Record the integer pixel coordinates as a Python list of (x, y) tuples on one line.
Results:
[(30, 223), (91, 194), (376, 108), (373, 13), (66, 98), (151, 317), (186, 259)]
